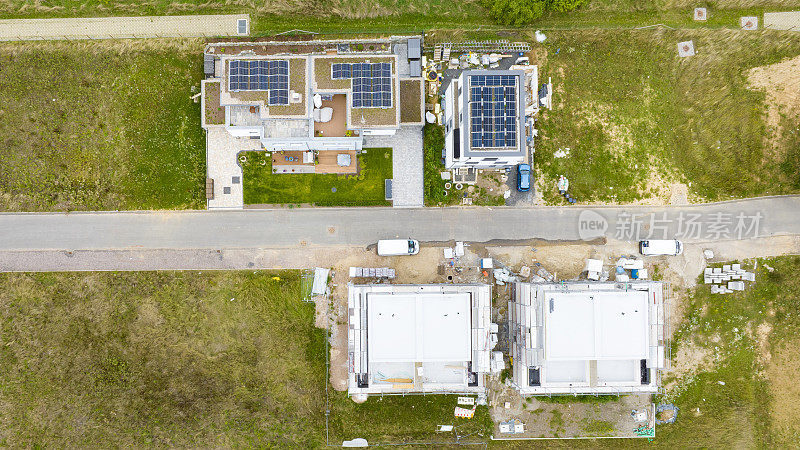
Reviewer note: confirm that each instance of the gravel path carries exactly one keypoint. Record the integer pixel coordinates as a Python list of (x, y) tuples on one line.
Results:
[(123, 27)]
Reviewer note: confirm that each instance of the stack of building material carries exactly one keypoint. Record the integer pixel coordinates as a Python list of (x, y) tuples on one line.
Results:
[(372, 272), (729, 277), (446, 54)]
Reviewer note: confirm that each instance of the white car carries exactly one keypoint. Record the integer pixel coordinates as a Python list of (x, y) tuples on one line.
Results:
[(397, 247), (655, 247)]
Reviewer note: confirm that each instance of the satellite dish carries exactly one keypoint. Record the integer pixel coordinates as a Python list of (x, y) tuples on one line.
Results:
[(317, 101)]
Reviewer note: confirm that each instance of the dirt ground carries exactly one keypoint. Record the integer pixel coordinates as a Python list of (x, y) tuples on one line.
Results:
[(781, 84), (544, 419), (565, 261)]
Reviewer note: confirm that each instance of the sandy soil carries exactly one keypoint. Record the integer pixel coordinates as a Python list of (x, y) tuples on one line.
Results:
[(781, 83), (783, 373)]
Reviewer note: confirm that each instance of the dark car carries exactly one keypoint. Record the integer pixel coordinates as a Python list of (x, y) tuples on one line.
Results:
[(523, 177)]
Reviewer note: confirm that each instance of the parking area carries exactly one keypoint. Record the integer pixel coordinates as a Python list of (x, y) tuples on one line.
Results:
[(407, 164), (517, 197)]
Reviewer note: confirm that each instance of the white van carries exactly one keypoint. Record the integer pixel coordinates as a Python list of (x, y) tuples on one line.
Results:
[(396, 247), (654, 247)]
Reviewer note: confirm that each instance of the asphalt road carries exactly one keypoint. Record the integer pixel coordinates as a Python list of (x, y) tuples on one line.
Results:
[(281, 228)]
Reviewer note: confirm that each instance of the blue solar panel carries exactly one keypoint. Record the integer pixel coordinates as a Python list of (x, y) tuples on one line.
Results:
[(371, 83), (493, 111), (261, 75)]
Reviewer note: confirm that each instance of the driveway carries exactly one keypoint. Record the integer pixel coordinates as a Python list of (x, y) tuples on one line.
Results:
[(407, 164), (518, 198)]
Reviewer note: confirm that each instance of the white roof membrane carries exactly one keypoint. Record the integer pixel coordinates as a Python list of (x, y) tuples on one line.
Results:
[(419, 327), (596, 325)]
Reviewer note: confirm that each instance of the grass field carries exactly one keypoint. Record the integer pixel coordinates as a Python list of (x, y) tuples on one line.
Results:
[(166, 359), (635, 118), (183, 359), (100, 125), (749, 341), (261, 186)]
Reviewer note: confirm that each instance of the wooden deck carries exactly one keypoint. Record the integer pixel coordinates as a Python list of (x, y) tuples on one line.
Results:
[(326, 162), (337, 127)]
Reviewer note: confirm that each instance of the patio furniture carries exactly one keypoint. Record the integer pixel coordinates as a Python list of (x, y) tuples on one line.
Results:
[(323, 115), (343, 159)]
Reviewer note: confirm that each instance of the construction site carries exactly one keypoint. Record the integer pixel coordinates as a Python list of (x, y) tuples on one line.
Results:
[(552, 349)]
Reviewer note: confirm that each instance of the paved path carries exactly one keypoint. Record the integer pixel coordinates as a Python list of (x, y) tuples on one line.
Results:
[(123, 27), (223, 167), (364, 226), (407, 164), (782, 21)]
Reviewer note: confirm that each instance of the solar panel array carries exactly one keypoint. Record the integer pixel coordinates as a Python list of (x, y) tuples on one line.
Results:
[(493, 111), (372, 83), (261, 75)]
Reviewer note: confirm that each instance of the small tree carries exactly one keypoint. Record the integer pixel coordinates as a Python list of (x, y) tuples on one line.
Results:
[(516, 12)]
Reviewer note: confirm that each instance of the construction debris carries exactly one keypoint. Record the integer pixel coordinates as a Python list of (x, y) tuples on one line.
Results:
[(594, 267), (320, 284), (464, 413), (503, 276), (512, 427)]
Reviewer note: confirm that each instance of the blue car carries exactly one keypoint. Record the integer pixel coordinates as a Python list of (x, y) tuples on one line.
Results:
[(523, 177)]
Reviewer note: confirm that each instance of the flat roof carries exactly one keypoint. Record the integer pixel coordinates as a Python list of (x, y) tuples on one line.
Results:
[(507, 123), (596, 325), (418, 327)]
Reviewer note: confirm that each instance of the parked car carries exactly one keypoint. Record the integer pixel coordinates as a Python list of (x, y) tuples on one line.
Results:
[(523, 177), (397, 247), (654, 247)]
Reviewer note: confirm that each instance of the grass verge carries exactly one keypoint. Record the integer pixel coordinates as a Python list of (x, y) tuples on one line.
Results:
[(396, 420), (100, 125), (261, 186)]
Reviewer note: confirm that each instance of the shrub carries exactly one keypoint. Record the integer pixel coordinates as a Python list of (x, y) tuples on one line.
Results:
[(516, 12), (521, 12), (564, 5)]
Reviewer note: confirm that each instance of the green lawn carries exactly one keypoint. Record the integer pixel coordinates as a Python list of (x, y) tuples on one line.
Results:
[(159, 359), (627, 107), (261, 186), (100, 125)]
